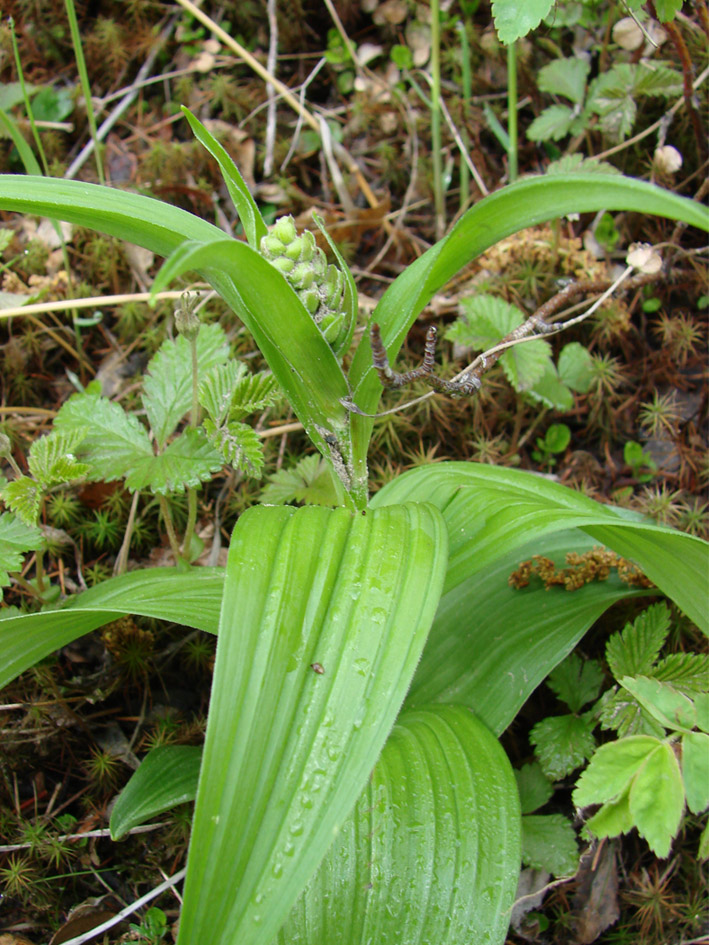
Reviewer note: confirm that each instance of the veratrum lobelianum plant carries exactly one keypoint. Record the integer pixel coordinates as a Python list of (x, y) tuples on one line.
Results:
[(351, 788)]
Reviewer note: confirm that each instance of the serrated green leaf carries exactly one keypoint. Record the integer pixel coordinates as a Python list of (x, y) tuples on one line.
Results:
[(439, 785), (688, 672), (167, 388), (553, 124), (620, 712), (633, 651), (525, 364), (656, 799), (669, 707), (574, 367), (613, 819), (289, 749), (613, 768), (167, 776), (562, 744), (23, 496), (252, 393), (514, 20), (486, 320), (15, 539), (576, 681), (695, 770), (216, 389), (309, 481), (51, 460), (534, 787), (565, 77), (701, 704), (610, 96), (549, 843), (238, 444), (550, 391), (577, 163), (188, 461), (113, 440), (656, 78)]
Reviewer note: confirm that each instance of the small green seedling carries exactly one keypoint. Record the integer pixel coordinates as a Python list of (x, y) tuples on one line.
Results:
[(642, 464), (554, 441)]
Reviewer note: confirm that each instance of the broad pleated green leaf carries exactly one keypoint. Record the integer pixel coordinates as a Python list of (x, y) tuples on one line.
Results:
[(192, 597), (491, 645), (167, 776), (324, 617), (490, 511), (431, 852), (522, 204)]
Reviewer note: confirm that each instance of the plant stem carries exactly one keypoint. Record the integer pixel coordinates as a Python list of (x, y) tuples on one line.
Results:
[(39, 570), (512, 110), (467, 84), (194, 420), (85, 84), (436, 119), (687, 75), (122, 559), (191, 519), (169, 527)]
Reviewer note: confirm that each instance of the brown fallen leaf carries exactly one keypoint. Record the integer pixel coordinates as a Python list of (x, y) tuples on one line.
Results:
[(595, 905)]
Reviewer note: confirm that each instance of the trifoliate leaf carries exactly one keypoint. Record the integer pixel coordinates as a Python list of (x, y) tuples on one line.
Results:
[(16, 538), (554, 123), (23, 496), (534, 787), (610, 97), (562, 744), (549, 843), (656, 78), (514, 20), (664, 703), (695, 770), (613, 819), (566, 77), (576, 681), (612, 769), (309, 481), (633, 651), (239, 445), (575, 367), (167, 389)]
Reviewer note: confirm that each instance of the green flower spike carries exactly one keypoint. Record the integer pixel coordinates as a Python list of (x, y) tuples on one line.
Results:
[(321, 288)]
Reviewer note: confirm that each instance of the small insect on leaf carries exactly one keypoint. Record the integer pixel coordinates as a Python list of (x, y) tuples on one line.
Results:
[(317, 668)]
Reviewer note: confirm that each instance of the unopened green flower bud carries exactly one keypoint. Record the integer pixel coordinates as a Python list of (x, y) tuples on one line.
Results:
[(302, 276), (187, 321), (284, 229), (310, 299), (283, 264)]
